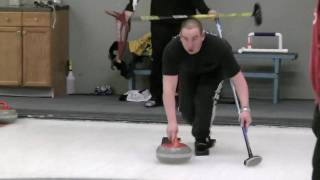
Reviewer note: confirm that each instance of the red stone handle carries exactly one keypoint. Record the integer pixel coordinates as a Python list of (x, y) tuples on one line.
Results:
[(5, 105)]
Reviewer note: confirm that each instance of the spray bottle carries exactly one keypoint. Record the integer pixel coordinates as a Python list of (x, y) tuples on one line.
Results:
[(70, 80)]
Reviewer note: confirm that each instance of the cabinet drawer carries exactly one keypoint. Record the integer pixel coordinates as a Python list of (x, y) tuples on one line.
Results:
[(10, 18), (36, 19)]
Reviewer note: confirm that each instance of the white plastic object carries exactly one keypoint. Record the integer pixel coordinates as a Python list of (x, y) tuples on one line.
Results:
[(70, 80), (249, 47), (70, 83), (57, 1), (243, 50)]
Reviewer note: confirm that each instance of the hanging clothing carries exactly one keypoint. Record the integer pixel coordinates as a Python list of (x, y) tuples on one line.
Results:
[(315, 79)]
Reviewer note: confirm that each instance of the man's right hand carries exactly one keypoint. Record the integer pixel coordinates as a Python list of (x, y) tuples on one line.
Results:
[(172, 131)]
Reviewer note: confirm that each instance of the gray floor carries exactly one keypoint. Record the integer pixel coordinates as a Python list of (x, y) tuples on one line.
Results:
[(288, 113)]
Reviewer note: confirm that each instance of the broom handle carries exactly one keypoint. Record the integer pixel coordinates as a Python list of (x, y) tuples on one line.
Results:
[(196, 16), (244, 129)]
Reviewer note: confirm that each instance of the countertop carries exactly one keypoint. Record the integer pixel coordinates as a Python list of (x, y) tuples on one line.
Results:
[(32, 8)]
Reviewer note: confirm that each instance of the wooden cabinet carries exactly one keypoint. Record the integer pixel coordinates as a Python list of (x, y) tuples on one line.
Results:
[(36, 57), (10, 56), (34, 50)]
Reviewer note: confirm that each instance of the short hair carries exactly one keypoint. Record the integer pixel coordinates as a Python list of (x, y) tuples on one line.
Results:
[(192, 23)]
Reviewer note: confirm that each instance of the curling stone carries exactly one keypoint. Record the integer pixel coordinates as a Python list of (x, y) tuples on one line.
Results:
[(7, 114), (173, 152)]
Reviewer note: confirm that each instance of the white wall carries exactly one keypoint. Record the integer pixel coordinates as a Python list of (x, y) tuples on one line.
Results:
[(92, 31)]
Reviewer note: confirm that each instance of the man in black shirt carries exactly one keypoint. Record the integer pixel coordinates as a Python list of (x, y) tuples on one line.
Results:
[(200, 61), (162, 32)]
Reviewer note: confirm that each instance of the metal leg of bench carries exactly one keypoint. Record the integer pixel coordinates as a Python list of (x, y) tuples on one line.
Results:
[(275, 90), (132, 82), (277, 64)]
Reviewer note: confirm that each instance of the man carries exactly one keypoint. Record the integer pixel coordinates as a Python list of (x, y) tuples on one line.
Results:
[(200, 61), (315, 79), (162, 32)]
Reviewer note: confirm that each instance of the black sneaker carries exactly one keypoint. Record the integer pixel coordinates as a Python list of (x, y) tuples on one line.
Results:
[(202, 146)]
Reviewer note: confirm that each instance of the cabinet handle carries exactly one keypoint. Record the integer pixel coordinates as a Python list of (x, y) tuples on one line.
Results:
[(24, 32), (36, 19), (7, 19), (18, 33)]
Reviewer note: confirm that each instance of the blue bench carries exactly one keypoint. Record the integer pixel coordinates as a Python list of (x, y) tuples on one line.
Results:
[(137, 72), (276, 58)]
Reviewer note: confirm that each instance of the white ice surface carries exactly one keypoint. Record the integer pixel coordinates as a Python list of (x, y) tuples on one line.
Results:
[(85, 149)]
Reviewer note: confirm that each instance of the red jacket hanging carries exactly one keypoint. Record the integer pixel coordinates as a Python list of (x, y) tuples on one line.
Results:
[(315, 55)]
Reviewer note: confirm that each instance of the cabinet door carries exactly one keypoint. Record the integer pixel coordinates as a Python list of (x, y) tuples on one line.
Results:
[(36, 57), (10, 56)]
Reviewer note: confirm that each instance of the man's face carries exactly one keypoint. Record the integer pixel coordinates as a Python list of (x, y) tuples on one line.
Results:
[(191, 39)]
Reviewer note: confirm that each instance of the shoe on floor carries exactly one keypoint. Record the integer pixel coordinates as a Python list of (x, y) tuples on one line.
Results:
[(202, 146), (152, 103)]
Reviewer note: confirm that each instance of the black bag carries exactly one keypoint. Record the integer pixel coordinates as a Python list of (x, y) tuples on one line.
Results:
[(129, 61), (122, 66)]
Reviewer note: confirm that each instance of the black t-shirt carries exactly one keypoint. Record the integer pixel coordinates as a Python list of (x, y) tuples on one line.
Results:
[(215, 59)]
